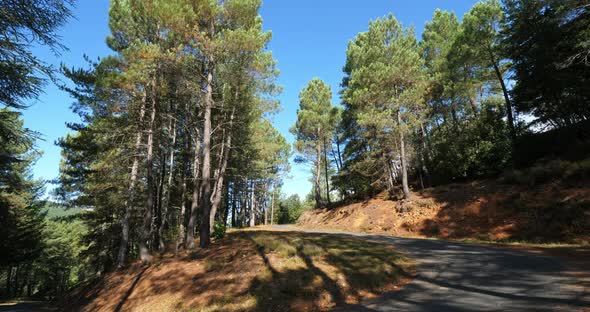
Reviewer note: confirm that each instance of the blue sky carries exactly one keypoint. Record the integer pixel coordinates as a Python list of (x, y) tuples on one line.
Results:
[(309, 40)]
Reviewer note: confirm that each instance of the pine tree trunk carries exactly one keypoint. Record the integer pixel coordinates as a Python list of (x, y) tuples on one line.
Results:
[(218, 189), (327, 173), (265, 214), (147, 220), (318, 172), (233, 205), (263, 204), (168, 187), (15, 286), (190, 231), (405, 186), (335, 157), (227, 204), (131, 189), (205, 234), (26, 280), (272, 207), (31, 283), (339, 153), (511, 127), (160, 185), (390, 177), (243, 200), (252, 206), (181, 216)]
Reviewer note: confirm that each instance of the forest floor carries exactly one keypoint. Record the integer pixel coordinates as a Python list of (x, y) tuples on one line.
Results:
[(548, 214), (253, 270)]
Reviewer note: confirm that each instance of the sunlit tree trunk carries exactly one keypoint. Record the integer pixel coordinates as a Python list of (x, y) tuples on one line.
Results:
[(318, 172), (205, 233), (244, 198), (218, 189), (390, 176), (190, 231), (160, 174), (272, 207), (326, 169), (265, 214), (181, 215), (227, 203), (252, 206), (263, 204), (405, 186), (131, 189), (147, 220), (167, 189)]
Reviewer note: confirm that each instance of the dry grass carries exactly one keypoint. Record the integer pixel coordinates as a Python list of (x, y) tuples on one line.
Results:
[(255, 271)]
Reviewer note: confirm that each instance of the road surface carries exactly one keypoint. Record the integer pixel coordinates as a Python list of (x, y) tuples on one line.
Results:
[(27, 306), (459, 277)]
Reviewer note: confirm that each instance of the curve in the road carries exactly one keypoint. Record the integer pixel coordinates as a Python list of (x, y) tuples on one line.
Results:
[(455, 276)]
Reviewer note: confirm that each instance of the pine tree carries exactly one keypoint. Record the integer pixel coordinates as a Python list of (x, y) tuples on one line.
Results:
[(22, 77), (189, 84), (314, 126), (480, 32), (547, 42), (384, 90), (22, 23), (21, 215)]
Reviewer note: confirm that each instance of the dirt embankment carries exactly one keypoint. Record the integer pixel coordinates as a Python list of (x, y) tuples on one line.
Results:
[(483, 210), (253, 271)]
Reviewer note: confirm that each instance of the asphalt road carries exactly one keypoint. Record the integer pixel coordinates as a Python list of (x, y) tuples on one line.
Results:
[(455, 276), (27, 306)]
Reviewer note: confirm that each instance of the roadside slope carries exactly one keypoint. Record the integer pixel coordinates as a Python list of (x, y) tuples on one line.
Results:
[(482, 210), (253, 270)]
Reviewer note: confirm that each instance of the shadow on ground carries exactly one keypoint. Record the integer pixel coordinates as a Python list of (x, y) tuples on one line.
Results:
[(464, 277), (257, 271), (488, 210)]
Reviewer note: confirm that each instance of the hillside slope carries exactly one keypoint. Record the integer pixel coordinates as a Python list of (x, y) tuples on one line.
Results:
[(486, 210), (252, 271)]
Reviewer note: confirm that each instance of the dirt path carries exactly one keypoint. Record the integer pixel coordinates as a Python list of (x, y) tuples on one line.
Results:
[(464, 277)]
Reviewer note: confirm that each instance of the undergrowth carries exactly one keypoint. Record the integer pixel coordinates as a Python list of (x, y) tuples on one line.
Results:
[(567, 172)]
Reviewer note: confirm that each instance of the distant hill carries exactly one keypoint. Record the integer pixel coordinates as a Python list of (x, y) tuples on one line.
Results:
[(56, 211)]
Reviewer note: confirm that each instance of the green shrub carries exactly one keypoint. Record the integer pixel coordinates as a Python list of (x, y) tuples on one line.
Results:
[(218, 230)]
